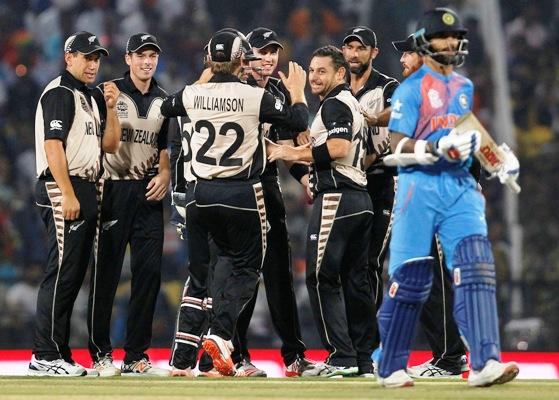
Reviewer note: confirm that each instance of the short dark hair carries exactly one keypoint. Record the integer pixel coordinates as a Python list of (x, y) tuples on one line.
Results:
[(335, 54)]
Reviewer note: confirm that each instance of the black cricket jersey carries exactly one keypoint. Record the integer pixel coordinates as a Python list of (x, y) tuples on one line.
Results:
[(180, 133), (226, 115), (375, 96), (68, 112), (339, 116), (275, 132), (143, 131)]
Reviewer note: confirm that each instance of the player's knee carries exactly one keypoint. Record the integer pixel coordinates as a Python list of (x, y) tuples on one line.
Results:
[(473, 262), (411, 280), (322, 277)]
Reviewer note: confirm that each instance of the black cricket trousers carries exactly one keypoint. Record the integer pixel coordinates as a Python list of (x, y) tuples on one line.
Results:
[(126, 218), (337, 279), (69, 244)]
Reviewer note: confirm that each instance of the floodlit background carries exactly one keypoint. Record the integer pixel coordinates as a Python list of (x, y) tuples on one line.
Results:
[(512, 61)]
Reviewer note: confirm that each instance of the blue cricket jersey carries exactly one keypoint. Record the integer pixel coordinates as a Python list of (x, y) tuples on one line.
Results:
[(427, 105)]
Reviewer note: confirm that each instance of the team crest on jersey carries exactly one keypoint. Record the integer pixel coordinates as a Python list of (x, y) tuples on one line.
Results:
[(463, 100), (372, 104), (434, 98), (279, 105), (121, 109)]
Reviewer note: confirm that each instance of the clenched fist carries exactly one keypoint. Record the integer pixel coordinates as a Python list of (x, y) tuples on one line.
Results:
[(111, 93)]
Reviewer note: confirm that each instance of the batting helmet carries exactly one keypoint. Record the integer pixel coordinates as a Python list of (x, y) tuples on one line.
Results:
[(441, 21)]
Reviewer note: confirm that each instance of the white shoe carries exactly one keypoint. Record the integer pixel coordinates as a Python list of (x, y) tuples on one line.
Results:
[(429, 369), (220, 350), (89, 372), (247, 369), (105, 367), (58, 368), (330, 371), (142, 367), (397, 379), (493, 373)]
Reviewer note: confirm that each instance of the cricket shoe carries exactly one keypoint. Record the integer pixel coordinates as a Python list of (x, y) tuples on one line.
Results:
[(220, 351), (247, 369), (331, 371), (105, 367), (183, 373), (493, 373), (301, 367), (142, 367), (396, 379), (58, 368), (430, 369), (89, 372)]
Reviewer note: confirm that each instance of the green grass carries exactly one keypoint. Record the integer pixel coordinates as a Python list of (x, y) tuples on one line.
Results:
[(230, 388)]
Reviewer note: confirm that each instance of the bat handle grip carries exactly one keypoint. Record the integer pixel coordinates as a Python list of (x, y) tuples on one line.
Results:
[(515, 187)]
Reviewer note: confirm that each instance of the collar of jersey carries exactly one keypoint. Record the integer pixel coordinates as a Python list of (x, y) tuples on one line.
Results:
[(132, 88), (74, 83), (427, 70), (372, 82), (219, 78), (334, 92)]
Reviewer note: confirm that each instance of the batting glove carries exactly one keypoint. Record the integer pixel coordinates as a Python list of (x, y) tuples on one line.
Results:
[(510, 169), (456, 147)]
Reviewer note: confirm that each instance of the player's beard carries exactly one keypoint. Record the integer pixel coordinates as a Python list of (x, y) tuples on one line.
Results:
[(360, 70)]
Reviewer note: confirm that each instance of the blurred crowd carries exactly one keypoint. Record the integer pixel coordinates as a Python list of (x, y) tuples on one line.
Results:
[(33, 33)]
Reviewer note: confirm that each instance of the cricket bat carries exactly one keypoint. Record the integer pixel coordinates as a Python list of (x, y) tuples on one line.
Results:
[(490, 155)]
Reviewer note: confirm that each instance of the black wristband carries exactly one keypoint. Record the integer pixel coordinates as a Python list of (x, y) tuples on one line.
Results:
[(297, 171), (321, 155)]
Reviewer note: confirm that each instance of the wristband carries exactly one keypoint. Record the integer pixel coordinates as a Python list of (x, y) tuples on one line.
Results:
[(321, 155), (297, 171)]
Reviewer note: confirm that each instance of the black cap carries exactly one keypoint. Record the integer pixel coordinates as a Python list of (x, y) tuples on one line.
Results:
[(225, 46), (141, 40), (363, 34), (440, 20), (85, 43), (405, 45), (262, 37), (247, 48)]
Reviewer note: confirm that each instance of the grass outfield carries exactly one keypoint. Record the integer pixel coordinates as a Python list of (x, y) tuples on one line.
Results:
[(258, 388)]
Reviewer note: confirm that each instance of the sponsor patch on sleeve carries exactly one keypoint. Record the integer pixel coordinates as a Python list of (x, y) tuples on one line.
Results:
[(340, 130), (56, 125)]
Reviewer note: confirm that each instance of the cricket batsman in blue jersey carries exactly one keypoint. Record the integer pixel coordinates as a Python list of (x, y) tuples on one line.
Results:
[(437, 195)]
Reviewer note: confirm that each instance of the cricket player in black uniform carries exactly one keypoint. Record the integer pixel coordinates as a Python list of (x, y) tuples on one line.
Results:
[(228, 158), (277, 272), (192, 314), (373, 90), (136, 180), (196, 301), (340, 226), (68, 143)]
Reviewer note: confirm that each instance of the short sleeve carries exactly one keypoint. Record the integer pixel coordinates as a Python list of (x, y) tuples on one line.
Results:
[(405, 109), (58, 113), (337, 118)]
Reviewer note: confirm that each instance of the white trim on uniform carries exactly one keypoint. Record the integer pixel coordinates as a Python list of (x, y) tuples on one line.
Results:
[(54, 193), (330, 204)]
